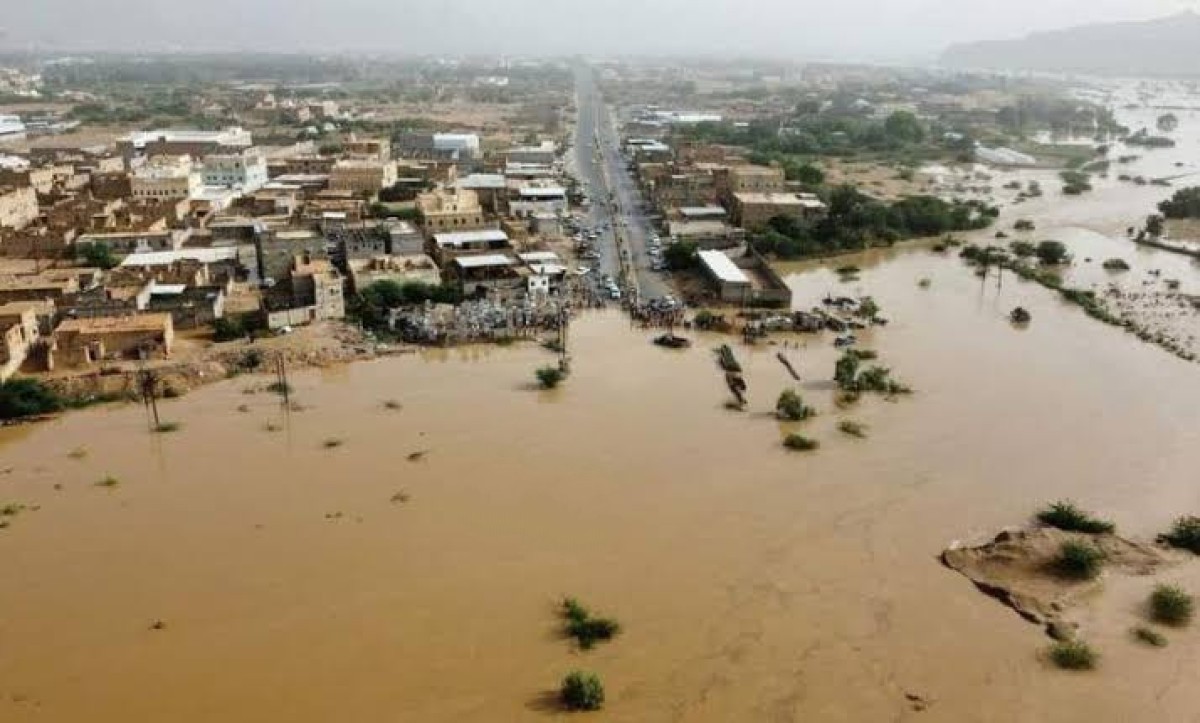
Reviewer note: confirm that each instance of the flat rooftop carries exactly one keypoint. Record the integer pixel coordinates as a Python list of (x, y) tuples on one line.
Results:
[(462, 238), (780, 199), (165, 258), (112, 324), (722, 267), (483, 261)]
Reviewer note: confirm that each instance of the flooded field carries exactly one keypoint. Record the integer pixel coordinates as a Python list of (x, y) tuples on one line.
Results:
[(303, 581)]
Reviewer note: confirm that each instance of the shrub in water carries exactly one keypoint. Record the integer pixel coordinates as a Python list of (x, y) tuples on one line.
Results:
[(1150, 637), (1184, 534), (1066, 516), (1171, 605), (790, 407), (586, 629), (800, 443), (1079, 560), (582, 691), (1073, 655), (549, 377)]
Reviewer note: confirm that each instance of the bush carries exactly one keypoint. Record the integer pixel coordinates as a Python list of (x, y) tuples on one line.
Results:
[(1023, 224), (99, 255), (1073, 655), (1150, 637), (549, 377), (790, 407), (853, 428), (1184, 204), (227, 329), (582, 691), (1052, 253), (1116, 265), (1184, 534), (800, 443), (584, 627), (1079, 560), (1066, 516), (27, 398), (1171, 605)]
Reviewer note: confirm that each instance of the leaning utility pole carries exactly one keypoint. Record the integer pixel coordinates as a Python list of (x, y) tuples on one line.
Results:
[(281, 378), (148, 385)]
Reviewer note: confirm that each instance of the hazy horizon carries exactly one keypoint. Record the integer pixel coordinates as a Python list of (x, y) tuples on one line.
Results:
[(803, 30)]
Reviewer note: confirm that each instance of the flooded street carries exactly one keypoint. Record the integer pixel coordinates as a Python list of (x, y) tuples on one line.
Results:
[(752, 583)]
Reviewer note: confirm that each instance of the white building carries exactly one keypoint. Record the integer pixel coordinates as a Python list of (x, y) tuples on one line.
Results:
[(246, 171), (165, 178), (466, 144)]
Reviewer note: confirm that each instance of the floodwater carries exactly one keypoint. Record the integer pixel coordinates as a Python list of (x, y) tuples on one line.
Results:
[(300, 582)]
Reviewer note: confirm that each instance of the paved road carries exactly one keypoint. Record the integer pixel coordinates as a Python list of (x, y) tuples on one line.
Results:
[(602, 169)]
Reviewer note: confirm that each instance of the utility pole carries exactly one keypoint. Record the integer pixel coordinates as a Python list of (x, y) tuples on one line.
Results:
[(281, 378), (147, 385)]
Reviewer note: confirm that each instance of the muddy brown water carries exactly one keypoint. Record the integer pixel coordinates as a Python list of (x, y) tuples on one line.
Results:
[(752, 583)]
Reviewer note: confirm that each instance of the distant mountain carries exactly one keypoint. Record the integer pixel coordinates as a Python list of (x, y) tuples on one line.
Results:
[(1168, 46)]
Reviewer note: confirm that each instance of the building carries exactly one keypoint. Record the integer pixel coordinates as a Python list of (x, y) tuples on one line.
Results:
[(483, 274), (747, 281), (371, 149), (37, 287), (401, 269), (314, 292), (441, 211), (246, 171), (197, 144), (756, 179), (706, 233), (461, 243), (543, 154), (753, 211), (138, 242), (530, 200), (83, 342), (19, 332), (490, 188), (18, 207), (165, 178), (360, 176)]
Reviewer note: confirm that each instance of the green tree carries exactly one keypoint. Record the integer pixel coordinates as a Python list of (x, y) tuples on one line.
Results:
[(27, 397), (99, 255), (682, 255), (1052, 253), (904, 127), (582, 691)]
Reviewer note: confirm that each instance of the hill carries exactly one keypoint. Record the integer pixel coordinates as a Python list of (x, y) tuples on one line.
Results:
[(1167, 46)]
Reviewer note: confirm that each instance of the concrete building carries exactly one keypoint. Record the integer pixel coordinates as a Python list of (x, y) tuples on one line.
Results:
[(746, 281), (706, 233), (314, 292), (445, 211), (360, 176), (371, 149), (544, 154), (19, 332), (18, 207), (197, 144), (83, 342), (461, 243), (245, 171), (753, 211), (756, 179), (402, 269), (138, 242), (166, 178), (530, 200)]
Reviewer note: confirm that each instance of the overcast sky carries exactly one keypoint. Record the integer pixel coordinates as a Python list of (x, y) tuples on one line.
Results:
[(802, 29)]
